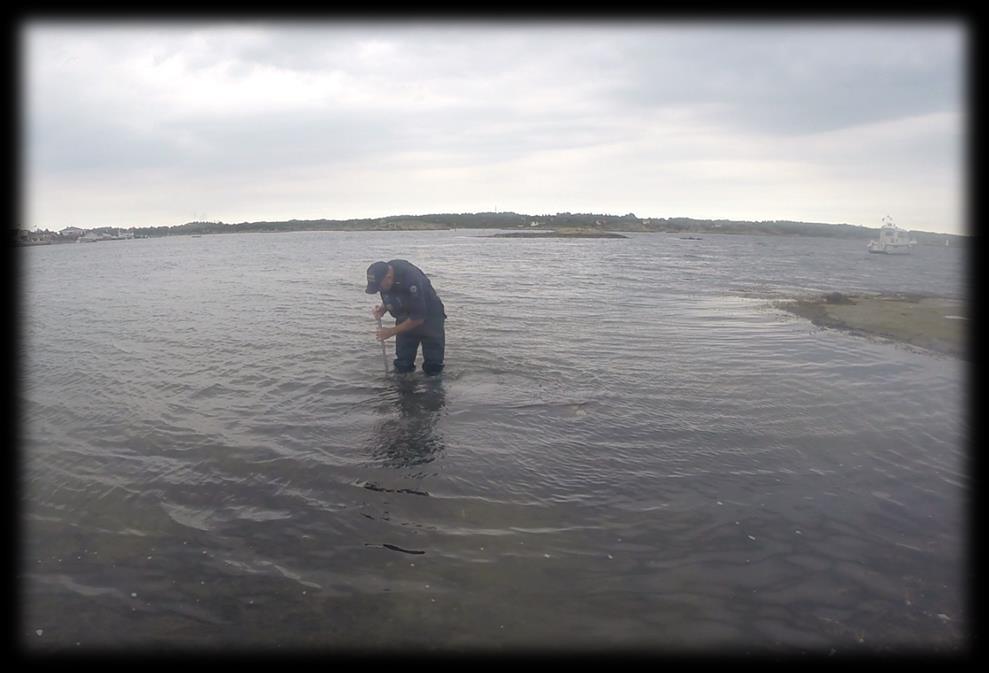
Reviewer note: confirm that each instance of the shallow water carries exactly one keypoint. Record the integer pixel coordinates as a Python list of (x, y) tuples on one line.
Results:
[(629, 447)]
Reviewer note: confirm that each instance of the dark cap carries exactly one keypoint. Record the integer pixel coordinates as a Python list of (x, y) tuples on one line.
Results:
[(375, 273)]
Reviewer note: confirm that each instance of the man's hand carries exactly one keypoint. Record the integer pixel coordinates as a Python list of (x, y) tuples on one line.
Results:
[(378, 311), (383, 333)]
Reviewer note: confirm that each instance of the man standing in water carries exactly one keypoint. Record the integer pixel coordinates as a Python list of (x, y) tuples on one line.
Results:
[(409, 297)]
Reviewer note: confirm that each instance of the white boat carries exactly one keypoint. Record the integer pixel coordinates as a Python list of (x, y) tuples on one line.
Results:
[(892, 240)]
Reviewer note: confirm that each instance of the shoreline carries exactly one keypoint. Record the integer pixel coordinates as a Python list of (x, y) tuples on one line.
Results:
[(938, 324), (51, 238)]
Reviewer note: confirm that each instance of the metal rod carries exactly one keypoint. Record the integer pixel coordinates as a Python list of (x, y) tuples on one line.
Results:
[(384, 354)]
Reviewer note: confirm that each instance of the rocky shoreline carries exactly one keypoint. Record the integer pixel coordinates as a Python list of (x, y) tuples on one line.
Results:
[(939, 324)]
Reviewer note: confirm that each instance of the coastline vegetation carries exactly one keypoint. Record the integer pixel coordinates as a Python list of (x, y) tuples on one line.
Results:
[(560, 224)]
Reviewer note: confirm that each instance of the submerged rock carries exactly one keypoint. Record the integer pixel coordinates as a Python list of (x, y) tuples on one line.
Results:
[(837, 298)]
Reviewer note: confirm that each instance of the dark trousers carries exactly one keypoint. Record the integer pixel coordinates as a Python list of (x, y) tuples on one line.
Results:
[(433, 339)]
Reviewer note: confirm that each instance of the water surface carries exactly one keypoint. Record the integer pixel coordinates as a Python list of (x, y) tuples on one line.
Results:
[(629, 448)]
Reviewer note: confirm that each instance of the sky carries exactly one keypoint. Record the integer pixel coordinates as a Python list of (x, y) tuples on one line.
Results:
[(137, 124)]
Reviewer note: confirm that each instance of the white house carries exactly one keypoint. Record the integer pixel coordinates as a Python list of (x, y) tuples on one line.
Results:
[(72, 232), (92, 236)]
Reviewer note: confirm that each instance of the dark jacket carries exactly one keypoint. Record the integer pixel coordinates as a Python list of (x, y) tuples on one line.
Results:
[(411, 296)]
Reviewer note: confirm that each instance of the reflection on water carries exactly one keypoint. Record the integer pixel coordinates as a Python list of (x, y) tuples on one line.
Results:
[(407, 435)]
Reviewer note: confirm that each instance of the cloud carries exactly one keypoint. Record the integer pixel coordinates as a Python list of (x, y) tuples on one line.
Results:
[(802, 79), (590, 113)]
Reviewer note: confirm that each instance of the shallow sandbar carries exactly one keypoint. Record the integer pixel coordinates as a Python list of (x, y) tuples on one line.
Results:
[(935, 323)]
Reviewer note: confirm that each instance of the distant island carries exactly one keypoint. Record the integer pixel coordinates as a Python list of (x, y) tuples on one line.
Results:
[(563, 232), (566, 225)]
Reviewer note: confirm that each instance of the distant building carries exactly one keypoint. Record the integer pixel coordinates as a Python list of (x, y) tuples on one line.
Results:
[(92, 237), (72, 232)]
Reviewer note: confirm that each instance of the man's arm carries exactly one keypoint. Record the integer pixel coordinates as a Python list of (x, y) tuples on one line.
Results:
[(388, 332), (406, 325)]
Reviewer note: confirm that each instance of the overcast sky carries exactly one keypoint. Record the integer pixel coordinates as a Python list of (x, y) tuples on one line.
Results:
[(151, 124)]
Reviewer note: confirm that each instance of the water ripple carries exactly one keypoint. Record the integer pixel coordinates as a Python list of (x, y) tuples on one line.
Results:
[(629, 442)]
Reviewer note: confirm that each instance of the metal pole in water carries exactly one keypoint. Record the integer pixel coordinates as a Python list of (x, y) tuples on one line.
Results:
[(384, 354)]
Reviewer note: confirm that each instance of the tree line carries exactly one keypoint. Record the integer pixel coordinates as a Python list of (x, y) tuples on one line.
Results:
[(510, 220)]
